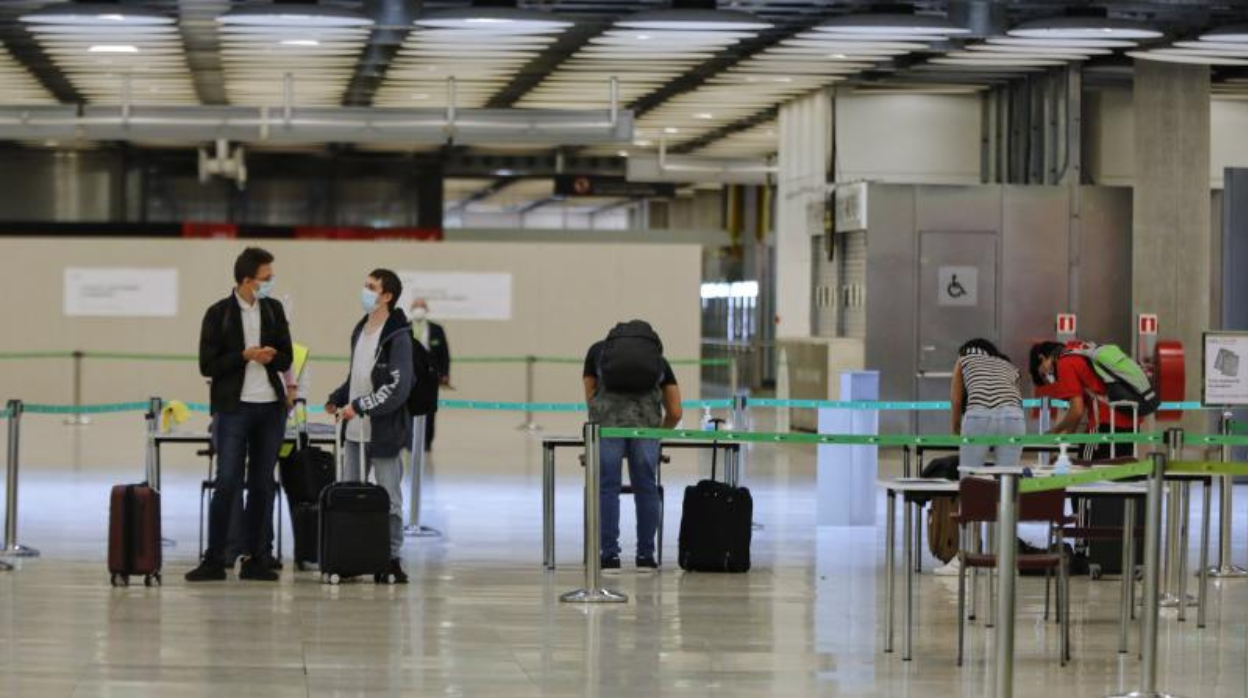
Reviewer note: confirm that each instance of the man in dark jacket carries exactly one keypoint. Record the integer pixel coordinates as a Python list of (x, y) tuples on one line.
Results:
[(432, 336), (373, 400), (244, 347)]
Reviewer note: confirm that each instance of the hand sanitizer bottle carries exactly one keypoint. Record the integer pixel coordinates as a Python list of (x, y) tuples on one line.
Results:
[(707, 424), (1063, 462)]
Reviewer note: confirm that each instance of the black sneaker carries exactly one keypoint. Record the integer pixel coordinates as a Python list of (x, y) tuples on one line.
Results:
[(611, 564), (207, 572), (647, 564), (397, 575), (257, 571)]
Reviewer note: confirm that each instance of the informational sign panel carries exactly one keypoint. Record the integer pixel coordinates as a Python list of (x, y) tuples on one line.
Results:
[(459, 295), (1225, 371), (120, 292), (958, 286), (597, 185), (1148, 324)]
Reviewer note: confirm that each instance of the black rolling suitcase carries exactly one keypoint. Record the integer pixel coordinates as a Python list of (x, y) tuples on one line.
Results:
[(305, 473), (716, 526), (354, 527)]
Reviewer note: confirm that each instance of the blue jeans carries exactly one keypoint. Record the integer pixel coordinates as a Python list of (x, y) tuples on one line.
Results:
[(248, 440), (999, 421), (643, 474)]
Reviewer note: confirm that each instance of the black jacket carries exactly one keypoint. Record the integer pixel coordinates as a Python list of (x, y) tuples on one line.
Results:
[(440, 349), (221, 345), (393, 376)]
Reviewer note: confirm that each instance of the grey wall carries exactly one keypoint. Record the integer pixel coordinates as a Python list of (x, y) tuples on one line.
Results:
[(1034, 244)]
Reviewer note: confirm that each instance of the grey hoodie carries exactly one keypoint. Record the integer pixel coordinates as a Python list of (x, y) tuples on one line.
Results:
[(393, 377)]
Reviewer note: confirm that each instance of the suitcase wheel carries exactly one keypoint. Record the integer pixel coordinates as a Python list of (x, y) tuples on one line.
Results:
[(119, 580), (386, 578), (152, 580), (1095, 571), (332, 579), (301, 566)]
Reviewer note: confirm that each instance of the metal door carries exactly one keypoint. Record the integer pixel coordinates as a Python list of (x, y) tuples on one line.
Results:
[(957, 301)]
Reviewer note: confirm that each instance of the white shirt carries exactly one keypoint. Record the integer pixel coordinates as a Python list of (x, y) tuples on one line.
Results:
[(256, 385), (362, 360), (420, 332)]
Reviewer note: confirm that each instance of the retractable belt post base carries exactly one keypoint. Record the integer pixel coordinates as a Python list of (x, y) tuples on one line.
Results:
[(593, 592), (11, 547)]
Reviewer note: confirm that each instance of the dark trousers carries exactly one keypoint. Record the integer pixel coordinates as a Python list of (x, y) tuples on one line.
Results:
[(248, 441), (429, 422)]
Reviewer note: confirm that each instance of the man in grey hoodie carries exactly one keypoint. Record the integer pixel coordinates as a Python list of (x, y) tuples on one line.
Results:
[(373, 400)]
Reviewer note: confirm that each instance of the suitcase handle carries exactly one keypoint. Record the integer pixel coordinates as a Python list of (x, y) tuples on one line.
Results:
[(340, 451)]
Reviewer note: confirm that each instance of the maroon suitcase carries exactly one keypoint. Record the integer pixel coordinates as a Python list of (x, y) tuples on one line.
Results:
[(134, 534)]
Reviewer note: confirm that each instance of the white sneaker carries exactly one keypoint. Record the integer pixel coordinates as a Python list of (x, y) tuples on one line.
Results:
[(949, 569)]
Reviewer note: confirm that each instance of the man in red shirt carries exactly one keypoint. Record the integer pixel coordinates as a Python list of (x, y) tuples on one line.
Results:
[(1062, 375)]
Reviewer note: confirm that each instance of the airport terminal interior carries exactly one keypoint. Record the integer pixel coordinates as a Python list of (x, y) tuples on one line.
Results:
[(694, 347)]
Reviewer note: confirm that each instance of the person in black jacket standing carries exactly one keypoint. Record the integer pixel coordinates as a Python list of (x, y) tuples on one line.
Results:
[(373, 398), (432, 337), (244, 348)]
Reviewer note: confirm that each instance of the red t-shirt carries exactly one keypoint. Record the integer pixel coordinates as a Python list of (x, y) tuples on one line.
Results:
[(1076, 378)]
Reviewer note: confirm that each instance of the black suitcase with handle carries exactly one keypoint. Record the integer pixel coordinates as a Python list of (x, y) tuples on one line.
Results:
[(354, 527), (716, 525)]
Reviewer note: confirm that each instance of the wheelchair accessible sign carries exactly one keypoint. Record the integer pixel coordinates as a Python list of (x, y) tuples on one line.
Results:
[(958, 286)]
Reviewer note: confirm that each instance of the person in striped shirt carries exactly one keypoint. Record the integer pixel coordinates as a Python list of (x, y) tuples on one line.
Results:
[(987, 402)]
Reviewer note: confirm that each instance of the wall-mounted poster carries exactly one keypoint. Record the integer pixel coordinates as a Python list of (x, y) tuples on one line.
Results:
[(120, 292), (459, 295)]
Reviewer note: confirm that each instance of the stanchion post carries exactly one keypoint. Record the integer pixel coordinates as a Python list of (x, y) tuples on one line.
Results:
[(530, 362), (1226, 568), (414, 528), (1045, 423), (593, 592), (1007, 564), (1173, 593), (77, 419), (1152, 583), (11, 547), (155, 406)]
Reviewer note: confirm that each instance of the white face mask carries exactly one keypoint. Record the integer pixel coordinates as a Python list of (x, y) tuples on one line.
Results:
[(368, 299), (419, 314)]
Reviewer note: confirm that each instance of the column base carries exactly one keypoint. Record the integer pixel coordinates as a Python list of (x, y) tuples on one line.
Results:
[(1172, 600)]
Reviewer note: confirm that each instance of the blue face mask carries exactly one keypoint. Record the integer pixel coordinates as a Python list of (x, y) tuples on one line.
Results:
[(368, 299), (266, 289)]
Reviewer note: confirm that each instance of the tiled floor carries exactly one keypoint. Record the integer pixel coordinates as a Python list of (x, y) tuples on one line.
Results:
[(481, 618)]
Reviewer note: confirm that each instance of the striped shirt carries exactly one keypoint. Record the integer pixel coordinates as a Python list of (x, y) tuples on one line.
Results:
[(990, 382)]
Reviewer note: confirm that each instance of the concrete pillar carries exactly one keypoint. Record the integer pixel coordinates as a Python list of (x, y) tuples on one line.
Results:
[(1171, 237), (805, 158)]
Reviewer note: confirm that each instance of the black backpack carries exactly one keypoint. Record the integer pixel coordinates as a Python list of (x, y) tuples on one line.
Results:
[(631, 360), (423, 400)]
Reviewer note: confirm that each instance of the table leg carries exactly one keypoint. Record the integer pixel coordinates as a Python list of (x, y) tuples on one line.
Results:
[(1128, 575), (548, 507), (918, 538), (908, 524), (976, 545), (1185, 514), (1206, 514), (890, 572)]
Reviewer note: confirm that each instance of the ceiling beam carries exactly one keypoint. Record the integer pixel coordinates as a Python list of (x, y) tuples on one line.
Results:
[(197, 23), (393, 23), (545, 64), (484, 193), (726, 130), (26, 51)]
